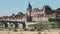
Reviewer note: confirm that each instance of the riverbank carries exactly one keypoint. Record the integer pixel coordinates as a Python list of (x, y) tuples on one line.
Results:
[(51, 31)]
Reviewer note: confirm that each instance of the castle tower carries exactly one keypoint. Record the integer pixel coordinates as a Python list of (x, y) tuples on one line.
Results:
[(47, 10)]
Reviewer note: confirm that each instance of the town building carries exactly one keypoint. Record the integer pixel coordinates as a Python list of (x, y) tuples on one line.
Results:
[(33, 15)]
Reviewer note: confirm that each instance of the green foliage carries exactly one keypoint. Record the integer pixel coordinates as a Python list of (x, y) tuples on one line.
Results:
[(38, 27), (39, 32), (26, 29), (58, 10), (53, 11), (55, 25), (15, 30), (32, 29), (54, 20), (9, 29), (51, 20)]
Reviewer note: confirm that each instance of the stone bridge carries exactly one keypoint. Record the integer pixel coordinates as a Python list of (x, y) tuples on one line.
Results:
[(16, 23)]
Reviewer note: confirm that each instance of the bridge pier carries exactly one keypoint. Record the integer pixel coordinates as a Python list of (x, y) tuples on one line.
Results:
[(16, 25), (6, 25), (24, 26)]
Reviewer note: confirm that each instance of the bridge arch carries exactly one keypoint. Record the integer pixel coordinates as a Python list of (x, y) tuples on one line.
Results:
[(23, 24), (14, 22)]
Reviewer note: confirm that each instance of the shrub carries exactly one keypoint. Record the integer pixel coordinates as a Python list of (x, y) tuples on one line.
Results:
[(51, 20), (32, 29), (9, 29), (39, 32), (26, 29), (15, 29), (39, 27)]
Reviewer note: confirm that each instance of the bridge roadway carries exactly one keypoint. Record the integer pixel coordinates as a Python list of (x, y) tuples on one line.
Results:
[(6, 23)]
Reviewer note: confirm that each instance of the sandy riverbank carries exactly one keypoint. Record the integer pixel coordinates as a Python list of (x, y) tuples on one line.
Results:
[(52, 31)]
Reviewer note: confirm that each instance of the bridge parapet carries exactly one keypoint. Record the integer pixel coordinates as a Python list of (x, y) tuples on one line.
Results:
[(19, 20)]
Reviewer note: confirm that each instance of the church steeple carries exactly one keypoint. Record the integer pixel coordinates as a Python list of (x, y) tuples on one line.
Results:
[(29, 9), (29, 5)]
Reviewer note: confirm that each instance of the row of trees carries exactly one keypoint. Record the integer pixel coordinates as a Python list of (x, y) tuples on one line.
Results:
[(54, 20), (56, 11), (19, 13)]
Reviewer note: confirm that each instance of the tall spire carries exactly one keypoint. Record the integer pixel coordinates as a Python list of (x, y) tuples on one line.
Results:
[(29, 4), (29, 9)]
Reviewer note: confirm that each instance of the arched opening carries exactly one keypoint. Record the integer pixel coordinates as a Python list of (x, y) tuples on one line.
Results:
[(1, 25), (20, 26), (12, 25), (24, 25)]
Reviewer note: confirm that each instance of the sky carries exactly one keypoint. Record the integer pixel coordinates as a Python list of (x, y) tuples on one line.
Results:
[(8, 7)]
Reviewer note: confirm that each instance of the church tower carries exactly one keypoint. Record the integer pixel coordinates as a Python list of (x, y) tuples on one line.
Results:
[(29, 9)]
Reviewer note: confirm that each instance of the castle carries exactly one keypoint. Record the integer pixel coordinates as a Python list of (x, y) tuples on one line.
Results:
[(37, 14), (33, 15)]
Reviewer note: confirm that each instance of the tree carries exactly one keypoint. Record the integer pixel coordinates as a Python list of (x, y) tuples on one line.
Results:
[(12, 15), (51, 20), (58, 10), (20, 13), (53, 11)]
